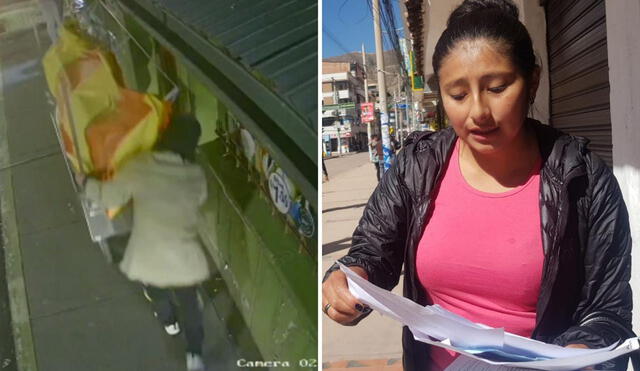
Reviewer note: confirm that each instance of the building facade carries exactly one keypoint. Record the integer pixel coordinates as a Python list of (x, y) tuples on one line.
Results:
[(342, 93)]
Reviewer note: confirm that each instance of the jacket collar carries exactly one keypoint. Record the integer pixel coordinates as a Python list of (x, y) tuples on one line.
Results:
[(563, 155)]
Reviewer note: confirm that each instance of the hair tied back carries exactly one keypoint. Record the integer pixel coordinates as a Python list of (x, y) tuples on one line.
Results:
[(506, 7)]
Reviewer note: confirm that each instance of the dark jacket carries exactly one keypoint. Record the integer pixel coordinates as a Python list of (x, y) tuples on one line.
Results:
[(585, 295)]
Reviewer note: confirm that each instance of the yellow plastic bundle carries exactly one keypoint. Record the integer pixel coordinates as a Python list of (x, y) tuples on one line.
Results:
[(111, 123)]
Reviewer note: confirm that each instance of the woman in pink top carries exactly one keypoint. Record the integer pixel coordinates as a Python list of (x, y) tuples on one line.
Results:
[(499, 218)]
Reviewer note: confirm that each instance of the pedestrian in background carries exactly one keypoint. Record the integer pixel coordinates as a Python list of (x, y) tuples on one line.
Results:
[(324, 171), (498, 218), (377, 155), (164, 253)]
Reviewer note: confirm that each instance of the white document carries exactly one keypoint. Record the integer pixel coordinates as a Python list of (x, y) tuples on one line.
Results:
[(459, 330), (437, 326), (471, 364)]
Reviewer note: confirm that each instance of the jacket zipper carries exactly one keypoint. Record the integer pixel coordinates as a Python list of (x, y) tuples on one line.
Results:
[(557, 238)]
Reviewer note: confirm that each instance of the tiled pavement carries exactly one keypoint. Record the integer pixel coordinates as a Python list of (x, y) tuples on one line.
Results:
[(391, 364)]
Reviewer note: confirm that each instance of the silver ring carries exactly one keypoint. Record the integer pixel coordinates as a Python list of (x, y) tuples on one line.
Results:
[(326, 308)]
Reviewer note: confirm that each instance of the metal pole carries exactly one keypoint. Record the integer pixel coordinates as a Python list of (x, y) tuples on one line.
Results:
[(66, 88), (407, 114), (339, 143), (366, 86), (382, 88), (400, 122), (410, 109), (395, 111), (335, 101), (366, 99)]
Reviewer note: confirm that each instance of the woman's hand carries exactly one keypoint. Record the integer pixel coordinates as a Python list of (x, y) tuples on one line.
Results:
[(581, 346), (578, 346), (80, 179), (337, 302)]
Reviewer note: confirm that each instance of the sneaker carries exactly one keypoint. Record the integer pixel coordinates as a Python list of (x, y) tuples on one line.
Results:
[(195, 362), (172, 329), (146, 295)]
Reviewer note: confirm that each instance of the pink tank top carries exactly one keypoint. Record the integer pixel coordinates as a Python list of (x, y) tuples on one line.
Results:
[(481, 254)]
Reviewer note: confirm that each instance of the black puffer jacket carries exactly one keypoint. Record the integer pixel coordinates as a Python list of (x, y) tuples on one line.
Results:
[(585, 295)]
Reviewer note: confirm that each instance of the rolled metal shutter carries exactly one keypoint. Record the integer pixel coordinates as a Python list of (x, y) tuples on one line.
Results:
[(579, 71)]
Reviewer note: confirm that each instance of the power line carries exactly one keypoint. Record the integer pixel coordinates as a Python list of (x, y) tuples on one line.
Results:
[(387, 17), (354, 23), (335, 40)]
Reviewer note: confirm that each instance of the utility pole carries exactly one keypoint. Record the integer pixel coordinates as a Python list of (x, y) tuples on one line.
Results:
[(382, 88), (364, 65), (366, 99), (396, 96), (336, 101), (339, 143), (410, 122), (395, 113), (408, 113)]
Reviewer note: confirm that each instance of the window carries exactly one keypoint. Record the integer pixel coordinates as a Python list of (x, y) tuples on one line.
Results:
[(328, 121), (342, 85)]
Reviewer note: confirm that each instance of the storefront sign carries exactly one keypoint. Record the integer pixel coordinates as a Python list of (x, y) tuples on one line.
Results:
[(367, 112)]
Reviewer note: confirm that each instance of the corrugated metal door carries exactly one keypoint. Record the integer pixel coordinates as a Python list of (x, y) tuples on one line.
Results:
[(579, 71)]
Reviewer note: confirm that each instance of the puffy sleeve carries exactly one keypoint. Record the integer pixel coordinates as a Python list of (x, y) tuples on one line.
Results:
[(380, 237), (203, 187), (603, 314), (114, 192)]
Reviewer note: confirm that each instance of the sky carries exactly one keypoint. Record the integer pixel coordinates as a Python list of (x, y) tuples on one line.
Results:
[(350, 23)]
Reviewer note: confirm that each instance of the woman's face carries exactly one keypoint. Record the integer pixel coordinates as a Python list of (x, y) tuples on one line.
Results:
[(484, 95)]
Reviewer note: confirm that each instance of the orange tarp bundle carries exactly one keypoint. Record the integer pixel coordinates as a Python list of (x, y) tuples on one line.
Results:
[(111, 123)]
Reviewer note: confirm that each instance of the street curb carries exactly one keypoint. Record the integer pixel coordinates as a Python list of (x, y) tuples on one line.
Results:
[(325, 158), (20, 318)]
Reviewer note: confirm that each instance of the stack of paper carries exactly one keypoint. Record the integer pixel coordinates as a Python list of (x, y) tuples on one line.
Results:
[(437, 326)]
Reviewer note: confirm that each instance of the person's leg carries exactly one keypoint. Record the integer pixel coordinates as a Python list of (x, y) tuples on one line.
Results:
[(191, 318), (324, 170), (162, 305), (377, 165)]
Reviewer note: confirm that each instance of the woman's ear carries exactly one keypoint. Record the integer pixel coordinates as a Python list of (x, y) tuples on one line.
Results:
[(535, 82)]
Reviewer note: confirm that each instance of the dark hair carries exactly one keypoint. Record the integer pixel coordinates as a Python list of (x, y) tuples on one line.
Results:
[(495, 20), (181, 136)]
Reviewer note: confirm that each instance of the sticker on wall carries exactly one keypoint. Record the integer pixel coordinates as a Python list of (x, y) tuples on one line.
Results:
[(248, 144), (267, 163), (284, 194), (303, 218), (279, 190)]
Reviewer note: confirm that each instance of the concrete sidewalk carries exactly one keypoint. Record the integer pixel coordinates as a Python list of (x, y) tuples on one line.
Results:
[(375, 343), (71, 310)]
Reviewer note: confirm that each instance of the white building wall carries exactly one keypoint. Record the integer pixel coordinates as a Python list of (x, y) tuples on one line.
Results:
[(623, 46), (343, 94), (436, 13), (532, 15), (340, 76)]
